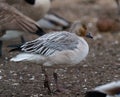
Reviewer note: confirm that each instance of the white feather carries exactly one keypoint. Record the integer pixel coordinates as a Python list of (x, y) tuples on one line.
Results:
[(27, 57), (106, 87), (42, 3)]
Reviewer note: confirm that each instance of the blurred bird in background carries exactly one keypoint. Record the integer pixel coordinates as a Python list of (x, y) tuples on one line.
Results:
[(108, 90), (12, 19), (38, 11)]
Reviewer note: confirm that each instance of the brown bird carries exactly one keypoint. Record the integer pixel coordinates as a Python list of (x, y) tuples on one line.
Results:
[(12, 19), (34, 9), (39, 8)]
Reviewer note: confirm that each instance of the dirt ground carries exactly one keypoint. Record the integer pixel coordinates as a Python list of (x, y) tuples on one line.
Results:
[(102, 65)]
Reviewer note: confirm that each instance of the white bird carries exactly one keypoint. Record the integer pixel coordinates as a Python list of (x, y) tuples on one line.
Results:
[(57, 48), (34, 9), (108, 90)]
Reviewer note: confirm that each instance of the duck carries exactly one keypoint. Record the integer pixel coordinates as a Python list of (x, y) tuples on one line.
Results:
[(57, 48), (35, 9), (111, 89), (53, 21), (11, 19)]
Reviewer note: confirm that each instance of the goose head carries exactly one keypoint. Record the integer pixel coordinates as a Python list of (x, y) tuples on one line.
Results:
[(80, 30)]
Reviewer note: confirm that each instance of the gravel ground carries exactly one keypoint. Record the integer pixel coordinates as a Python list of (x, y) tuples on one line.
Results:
[(101, 66)]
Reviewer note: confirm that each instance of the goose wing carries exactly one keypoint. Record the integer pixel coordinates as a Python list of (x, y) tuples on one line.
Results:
[(12, 19), (50, 43)]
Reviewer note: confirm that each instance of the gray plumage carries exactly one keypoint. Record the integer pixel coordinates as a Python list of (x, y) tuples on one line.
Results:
[(52, 42), (54, 21)]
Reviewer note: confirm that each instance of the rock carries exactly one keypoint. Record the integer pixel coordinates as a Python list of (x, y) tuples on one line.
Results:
[(107, 24)]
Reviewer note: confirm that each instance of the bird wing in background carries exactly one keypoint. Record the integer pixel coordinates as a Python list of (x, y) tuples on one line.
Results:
[(12, 19), (54, 21)]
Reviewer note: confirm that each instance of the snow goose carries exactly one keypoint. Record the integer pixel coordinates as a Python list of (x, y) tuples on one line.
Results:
[(60, 48)]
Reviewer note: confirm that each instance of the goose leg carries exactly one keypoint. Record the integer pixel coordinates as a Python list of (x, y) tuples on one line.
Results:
[(46, 80), (58, 87), (1, 43), (56, 82)]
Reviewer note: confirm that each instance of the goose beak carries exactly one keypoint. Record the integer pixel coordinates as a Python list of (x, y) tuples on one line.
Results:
[(89, 35)]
